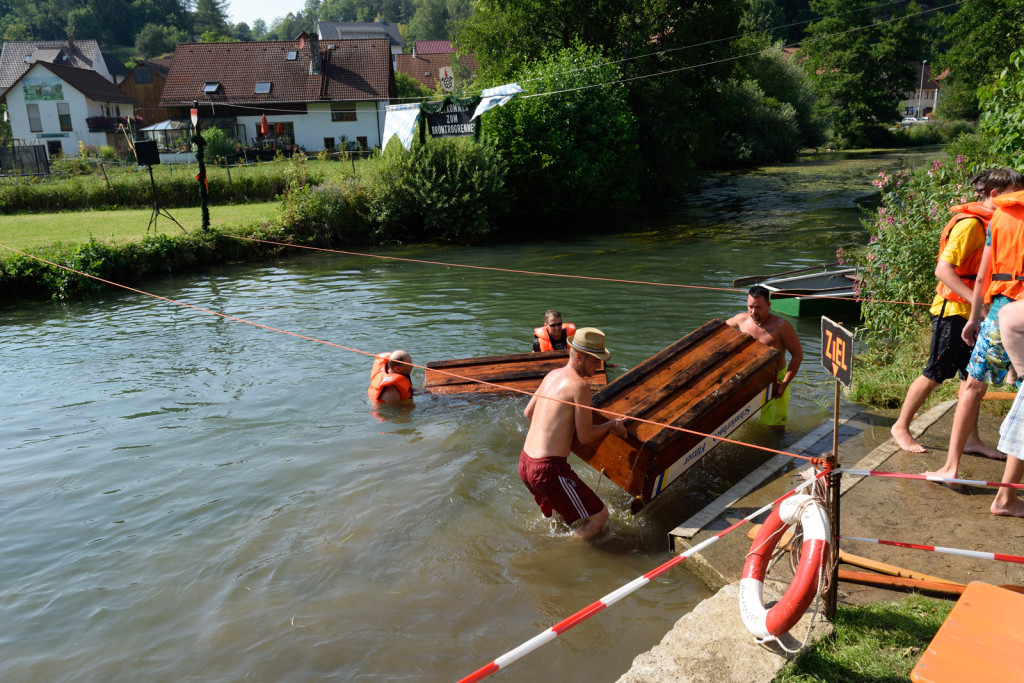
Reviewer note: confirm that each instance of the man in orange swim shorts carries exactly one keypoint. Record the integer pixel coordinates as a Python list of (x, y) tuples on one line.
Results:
[(560, 409)]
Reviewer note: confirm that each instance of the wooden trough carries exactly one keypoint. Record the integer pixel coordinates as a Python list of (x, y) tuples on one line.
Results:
[(523, 371), (710, 381)]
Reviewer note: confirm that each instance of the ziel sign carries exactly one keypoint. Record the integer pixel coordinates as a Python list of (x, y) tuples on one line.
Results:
[(837, 350), (452, 121)]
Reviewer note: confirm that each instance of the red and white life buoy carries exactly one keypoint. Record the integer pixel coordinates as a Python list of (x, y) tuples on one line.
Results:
[(774, 622)]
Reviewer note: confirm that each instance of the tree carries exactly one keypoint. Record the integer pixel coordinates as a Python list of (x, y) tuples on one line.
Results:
[(154, 40), (979, 37), (1002, 121), (573, 152), (211, 16), (859, 61), (407, 87)]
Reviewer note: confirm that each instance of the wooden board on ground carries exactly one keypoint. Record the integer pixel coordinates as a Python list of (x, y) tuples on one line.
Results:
[(710, 381), (981, 639), (522, 371)]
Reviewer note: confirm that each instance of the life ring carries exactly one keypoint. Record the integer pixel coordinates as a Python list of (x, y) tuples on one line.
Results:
[(775, 622)]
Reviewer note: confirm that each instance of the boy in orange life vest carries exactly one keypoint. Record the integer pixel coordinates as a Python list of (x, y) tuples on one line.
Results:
[(996, 284), (553, 335), (389, 378), (961, 243)]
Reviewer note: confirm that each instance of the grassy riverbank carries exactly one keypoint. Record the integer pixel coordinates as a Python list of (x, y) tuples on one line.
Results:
[(875, 642), (37, 231)]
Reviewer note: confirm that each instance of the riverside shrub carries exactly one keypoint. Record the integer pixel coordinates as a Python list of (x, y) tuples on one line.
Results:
[(573, 151), (898, 264), (449, 189)]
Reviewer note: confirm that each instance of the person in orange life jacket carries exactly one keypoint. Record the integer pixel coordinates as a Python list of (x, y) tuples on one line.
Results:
[(995, 286), (553, 335), (961, 244), (389, 378), (1011, 328)]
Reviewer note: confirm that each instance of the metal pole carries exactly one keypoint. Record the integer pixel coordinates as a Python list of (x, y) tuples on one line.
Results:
[(920, 91), (833, 509)]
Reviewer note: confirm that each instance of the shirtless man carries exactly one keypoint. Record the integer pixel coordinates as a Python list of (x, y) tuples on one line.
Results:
[(771, 330), (543, 464)]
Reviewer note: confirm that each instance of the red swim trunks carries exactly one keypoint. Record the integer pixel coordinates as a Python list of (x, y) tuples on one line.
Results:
[(556, 487)]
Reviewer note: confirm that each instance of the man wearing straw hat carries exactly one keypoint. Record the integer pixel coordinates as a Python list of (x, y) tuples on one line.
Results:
[(559, 410)]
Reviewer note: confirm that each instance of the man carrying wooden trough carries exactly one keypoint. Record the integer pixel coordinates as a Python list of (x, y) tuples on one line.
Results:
[(559, 410), (771, 330)]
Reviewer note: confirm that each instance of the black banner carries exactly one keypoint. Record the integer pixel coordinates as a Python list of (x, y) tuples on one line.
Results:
[(454, 120)]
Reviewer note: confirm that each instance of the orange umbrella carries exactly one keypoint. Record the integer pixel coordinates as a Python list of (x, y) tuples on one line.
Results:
[(264, 126)]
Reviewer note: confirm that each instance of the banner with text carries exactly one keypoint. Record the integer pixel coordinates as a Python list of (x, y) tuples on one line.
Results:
[(452, 121)]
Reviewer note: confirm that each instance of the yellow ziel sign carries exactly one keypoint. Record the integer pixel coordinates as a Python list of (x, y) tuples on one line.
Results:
[(837, 350)]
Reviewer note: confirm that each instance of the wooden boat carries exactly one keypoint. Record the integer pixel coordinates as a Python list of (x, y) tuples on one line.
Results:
[(710, 381), (827, 293), (522, 371)]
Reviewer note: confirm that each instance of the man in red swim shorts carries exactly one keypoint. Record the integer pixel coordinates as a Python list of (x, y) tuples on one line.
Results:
[(543, 465)]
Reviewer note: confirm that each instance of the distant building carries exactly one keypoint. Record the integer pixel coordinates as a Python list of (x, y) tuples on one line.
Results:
[(312, 92), (921, 102), (18, 55), (62, 105), (426, 68), (362, 30), (146, 84)]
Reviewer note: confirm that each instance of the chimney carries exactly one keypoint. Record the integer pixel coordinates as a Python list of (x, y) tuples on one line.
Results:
[(414, 50), (314, 54)]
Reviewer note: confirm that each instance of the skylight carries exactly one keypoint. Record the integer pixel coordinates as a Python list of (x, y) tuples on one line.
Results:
[(292, 54), (262, 87), (211, 87)]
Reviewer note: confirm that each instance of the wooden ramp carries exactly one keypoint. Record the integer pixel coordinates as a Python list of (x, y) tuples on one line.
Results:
[(710, 381), (981, 639), (523, 371)]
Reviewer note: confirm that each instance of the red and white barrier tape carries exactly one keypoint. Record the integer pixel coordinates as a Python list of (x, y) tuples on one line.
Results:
[(939, 549), (928, 477), (613, 597)]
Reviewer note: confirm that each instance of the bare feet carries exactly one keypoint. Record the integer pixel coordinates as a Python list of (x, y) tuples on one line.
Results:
[(901, 435), (1014, 509), (978, 448)]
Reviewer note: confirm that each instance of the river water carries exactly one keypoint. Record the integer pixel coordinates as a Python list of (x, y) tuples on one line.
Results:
[(187, 497)]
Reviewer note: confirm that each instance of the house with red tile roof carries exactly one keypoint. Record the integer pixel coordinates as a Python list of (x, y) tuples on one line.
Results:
[(433, 47), (312, 92), (426, 68), (60, 106)]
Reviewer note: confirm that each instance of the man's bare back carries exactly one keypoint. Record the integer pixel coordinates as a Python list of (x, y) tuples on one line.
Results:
[(554, 422)]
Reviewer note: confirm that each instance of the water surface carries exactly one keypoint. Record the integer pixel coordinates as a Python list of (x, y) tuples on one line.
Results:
[(190, 498)]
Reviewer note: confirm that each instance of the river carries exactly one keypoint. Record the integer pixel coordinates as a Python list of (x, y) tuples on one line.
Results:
[(187, 497)]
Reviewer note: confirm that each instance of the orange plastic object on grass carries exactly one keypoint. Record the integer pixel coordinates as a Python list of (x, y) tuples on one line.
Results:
[(981, 639)]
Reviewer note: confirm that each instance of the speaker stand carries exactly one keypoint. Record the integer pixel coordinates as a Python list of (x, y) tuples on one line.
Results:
[(159, 210)]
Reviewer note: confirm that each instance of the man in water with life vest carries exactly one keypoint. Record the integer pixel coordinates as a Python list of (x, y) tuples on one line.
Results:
[(771, 330), (960, 247), (559, 410), (553, 335), (389, 378)]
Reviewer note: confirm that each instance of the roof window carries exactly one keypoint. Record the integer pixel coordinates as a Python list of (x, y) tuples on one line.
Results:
[(262, 87), (292, 54), (211, 87)]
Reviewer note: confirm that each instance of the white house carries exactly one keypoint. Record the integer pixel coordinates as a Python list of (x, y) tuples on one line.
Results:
[(60, 106), (313, 93)]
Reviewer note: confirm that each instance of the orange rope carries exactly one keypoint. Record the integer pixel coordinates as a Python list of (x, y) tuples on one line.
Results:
[(367, 353), (565, 275)]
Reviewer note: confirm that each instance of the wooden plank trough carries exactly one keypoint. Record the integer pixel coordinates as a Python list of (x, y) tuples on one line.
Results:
[(710, 381), (523, 371)]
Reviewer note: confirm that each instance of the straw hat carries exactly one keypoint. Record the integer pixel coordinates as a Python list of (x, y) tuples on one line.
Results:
[(590, 340)]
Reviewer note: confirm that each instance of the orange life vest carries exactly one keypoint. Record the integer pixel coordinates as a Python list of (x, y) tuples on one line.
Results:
[(1007, 235), (968, 268), (541, 333), (380, 380)]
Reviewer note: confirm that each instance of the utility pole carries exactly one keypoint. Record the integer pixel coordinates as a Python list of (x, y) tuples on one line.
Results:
[(920, 91)]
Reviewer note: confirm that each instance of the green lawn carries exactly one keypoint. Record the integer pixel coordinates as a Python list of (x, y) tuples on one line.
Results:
[(27, 231)]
